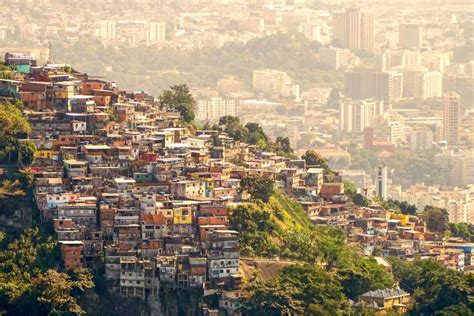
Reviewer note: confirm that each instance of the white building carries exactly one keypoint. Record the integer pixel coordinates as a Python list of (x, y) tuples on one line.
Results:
[(458, 202), (392, 132), (272, 81), (155, 32), (107, 30), (422, 84), (210, 110), (356, 115)]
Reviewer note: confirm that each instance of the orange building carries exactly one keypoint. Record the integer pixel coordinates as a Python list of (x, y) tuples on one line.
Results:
[(72, 252), (90, 85)]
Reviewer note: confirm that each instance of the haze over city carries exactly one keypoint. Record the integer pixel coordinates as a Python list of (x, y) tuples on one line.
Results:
[(236, 157)]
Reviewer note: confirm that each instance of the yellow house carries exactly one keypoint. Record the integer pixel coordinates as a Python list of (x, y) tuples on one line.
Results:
[(404, 219), (182, 216), (386, 299), (45, 153), (64, 90)]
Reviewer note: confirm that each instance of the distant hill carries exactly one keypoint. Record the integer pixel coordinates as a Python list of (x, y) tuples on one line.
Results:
[(154, 70)]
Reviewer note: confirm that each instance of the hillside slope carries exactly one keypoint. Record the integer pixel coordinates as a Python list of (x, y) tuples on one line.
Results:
[(281, 228)]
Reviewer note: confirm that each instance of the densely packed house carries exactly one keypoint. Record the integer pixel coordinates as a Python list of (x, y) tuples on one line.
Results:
[(129, 186)]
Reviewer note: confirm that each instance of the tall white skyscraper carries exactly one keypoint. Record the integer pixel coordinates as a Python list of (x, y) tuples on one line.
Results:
[(381, 181)]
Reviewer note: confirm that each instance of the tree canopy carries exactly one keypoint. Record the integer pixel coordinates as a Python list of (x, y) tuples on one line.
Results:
[(258, 187), (436, 290), (14, 126), (312, 158), (310, 290), (293, 290), (179, 99), (253, 134), (351, 191), (30, 282), (436, 219), (463, 230)]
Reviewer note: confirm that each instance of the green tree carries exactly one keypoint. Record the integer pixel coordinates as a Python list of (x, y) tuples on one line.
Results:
[(360, 200), (312, 158), (256, 135), (228, 120), (29, 282), (233, 128), (435, 289), (297, 289), (20, 261), (463, 230), (271, 297), (55, 290), (436, 219), (406, 208), (179, 99), (26, 153), (391, 204), (283, 147), (360, 274), (315, 285), (351, 191), (255, 226), (216, 141), (258, 187), (13, 126)]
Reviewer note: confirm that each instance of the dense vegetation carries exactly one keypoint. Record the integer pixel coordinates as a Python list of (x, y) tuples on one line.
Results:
[(13, 127), (297, 289), (327, 272), (436, 219), (15, 156), (258, 187), (253, 134), (30, 282), (281, 228), (463, 230), (351, 191), (435, 289), (292, 53), (5, 71), (179, 99), (397, 206)]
